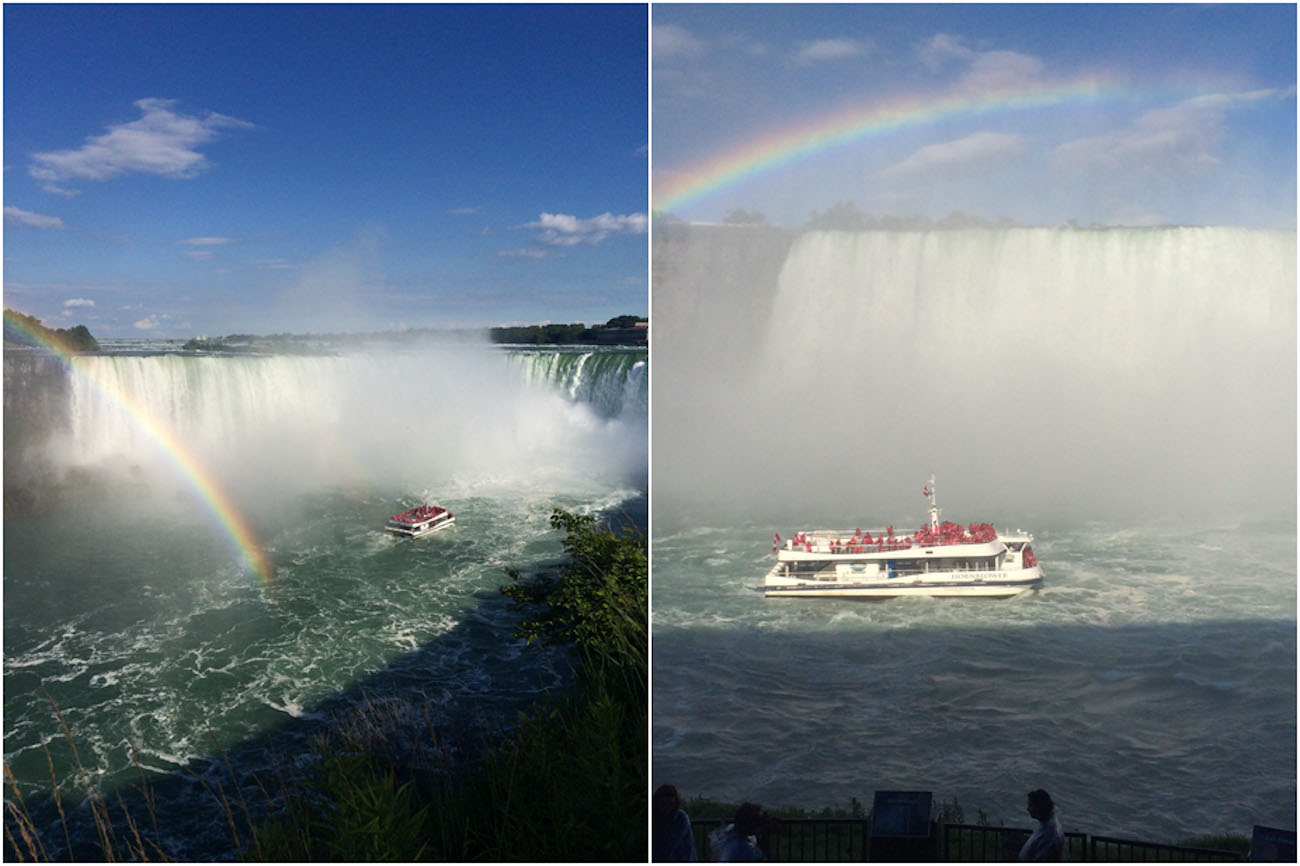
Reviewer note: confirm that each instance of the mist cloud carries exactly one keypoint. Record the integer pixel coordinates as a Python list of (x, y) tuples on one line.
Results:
[(1032, 369)]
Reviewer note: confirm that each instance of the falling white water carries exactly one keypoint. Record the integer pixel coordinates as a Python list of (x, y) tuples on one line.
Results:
[(1116, 371), (308, 422)]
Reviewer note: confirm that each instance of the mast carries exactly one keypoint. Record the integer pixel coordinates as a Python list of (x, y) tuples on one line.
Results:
[(934, 508)]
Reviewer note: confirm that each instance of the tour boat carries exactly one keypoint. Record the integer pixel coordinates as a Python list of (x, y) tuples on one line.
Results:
[(420, 521), (939, 559)]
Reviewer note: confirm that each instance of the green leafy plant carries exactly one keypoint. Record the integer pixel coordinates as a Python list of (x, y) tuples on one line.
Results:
[(596, 601)]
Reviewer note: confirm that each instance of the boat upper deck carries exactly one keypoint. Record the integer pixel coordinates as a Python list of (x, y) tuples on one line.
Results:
[(420, 514), (833, 543)]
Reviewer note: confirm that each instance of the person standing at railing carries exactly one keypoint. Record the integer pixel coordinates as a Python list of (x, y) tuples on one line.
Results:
[(1047, 843), (737, 841), (673, 840)]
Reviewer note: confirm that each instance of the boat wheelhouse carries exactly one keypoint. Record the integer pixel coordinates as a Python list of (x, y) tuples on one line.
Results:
[(420, 521), (939, 559)]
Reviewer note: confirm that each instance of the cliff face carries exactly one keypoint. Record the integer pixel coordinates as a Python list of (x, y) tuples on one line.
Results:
[(35, 410)]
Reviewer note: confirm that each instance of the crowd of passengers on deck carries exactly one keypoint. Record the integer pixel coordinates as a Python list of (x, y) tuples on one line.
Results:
[(862, 542)]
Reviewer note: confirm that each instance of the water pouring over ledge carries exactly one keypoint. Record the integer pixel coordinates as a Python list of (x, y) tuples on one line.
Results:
[(1117, 371)]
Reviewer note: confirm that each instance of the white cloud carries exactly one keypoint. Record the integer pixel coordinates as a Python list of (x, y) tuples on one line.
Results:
[(982, 71), (941, 48), (563, 230), (58, 190), (829, 49), (199, 255), (204, 242), (526, 253), (1001, 70), (161, 142), (78, 302), (977, 152), (669, 40), (1182, 136), (149, 322), (18, 216)]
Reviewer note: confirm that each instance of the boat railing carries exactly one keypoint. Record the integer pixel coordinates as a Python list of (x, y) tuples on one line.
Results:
[(832, 544)]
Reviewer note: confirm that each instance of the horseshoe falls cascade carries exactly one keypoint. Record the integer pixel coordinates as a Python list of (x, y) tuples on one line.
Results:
[(128, 602), (612, 382), (1127, 395)]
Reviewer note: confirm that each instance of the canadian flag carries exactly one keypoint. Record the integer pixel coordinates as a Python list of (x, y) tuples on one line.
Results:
[(776, 541), (925, 491)]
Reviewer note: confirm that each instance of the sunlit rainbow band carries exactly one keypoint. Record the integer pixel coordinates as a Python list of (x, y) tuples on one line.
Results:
[(805, 141), (214, 497)]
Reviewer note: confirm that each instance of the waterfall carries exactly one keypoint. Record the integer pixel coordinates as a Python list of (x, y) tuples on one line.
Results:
[(1125, 370), (289, 422), (614, 383)]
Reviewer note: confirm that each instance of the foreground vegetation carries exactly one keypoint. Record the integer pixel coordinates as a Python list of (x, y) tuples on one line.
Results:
[(567, 781)]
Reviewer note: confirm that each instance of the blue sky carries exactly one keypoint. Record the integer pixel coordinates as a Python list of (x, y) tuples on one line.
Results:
[(192, 169), (1193, 119)]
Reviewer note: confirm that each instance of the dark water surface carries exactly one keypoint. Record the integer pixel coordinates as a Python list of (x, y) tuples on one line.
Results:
[(1150, 685)]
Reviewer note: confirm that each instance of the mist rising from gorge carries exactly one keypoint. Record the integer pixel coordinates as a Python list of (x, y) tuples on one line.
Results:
[(1036, 371)]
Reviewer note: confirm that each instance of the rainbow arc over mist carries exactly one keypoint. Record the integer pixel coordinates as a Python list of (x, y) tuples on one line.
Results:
[(214, 497), (797, 143)]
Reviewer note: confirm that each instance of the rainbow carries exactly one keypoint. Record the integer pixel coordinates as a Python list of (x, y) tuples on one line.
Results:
[(218, 502), (678, 188)]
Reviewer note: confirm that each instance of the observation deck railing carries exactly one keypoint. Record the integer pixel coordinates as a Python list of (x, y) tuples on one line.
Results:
[(843, 840)]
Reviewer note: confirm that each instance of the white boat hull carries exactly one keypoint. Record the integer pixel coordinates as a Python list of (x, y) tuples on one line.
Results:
[(936, 585), (940, 560), (416, 530)]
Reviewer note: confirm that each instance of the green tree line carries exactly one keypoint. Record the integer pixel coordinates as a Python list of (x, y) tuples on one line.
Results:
[(27, 330), (576, 332)]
